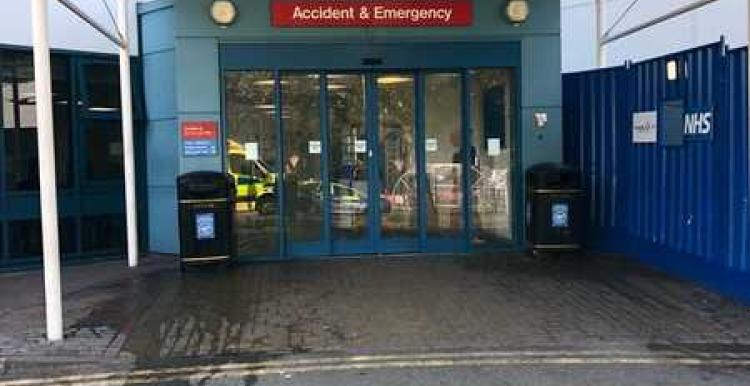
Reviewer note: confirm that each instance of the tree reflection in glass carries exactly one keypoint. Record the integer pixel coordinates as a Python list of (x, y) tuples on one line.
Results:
[(397, 169), (349, 169), (300, 94)]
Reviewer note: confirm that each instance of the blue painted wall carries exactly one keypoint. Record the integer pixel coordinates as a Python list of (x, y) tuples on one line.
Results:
[(157, 21), (181, 55)]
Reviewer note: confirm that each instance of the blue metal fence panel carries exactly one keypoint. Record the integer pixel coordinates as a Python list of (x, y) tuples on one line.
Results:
[(738, 253), (683, 209)]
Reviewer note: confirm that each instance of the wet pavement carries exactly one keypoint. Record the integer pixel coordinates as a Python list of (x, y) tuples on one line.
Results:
[(422, 317)]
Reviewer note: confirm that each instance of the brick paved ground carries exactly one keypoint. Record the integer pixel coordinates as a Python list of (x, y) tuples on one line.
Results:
[(121, 319)]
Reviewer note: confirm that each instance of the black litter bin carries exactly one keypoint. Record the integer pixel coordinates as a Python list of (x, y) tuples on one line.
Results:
[(554, 208), (206, 206)]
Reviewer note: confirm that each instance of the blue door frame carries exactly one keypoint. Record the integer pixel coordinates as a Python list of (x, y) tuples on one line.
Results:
[(418, 60)]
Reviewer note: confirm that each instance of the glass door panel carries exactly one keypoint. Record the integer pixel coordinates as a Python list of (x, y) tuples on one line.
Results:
[(252, 152), (399, 196), (303, 198), (348, 164), (491, 155), (445, 198)]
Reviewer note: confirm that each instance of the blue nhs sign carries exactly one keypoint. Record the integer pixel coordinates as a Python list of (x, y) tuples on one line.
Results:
[(699, 124)]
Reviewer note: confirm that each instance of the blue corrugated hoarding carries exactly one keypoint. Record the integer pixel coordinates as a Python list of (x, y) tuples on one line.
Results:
[(666, 162)]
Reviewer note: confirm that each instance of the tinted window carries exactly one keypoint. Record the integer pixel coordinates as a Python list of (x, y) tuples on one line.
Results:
[(7, 94), (26, 98), (103, 87), (25, 237), (19, 118), (104, 150), (102, 233)]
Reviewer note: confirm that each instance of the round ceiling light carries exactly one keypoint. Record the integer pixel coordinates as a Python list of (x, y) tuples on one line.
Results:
[(224, 12), (517, 11)]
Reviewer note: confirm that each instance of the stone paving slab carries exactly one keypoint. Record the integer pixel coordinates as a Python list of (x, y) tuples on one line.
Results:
[(119, 319)]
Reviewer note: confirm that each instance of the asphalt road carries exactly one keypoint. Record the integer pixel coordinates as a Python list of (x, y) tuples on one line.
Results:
[(480, 376), (537, 368)]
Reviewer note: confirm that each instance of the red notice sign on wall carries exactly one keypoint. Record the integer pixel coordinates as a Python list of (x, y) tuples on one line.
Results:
[(200, 130), (372, 13), (200, 138)]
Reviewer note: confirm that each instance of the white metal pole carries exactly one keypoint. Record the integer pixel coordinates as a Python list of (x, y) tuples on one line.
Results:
[(47, 179), (127, 136), (601, 55)]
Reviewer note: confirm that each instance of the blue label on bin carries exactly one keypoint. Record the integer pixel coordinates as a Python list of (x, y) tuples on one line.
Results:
[(205, 227), (560, 215)]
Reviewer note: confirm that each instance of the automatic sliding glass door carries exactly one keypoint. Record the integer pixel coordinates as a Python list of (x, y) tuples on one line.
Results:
[(253, 159), (371, 162), (304, 201), (444, 167), (374, 198), (349, 164), (492, 156), (397, 163)]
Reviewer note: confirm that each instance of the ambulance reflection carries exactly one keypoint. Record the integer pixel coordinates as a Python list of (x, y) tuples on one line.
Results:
[(255, 182)]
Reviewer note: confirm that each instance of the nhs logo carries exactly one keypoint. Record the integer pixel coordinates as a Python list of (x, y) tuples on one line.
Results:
[(699, 125)]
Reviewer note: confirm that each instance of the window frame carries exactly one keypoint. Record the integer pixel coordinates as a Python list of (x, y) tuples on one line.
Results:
[(87, 119), (80, 199)]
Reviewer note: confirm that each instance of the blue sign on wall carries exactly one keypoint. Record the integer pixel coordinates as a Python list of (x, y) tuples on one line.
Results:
[(200, 148)]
